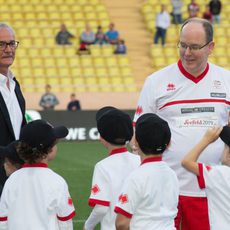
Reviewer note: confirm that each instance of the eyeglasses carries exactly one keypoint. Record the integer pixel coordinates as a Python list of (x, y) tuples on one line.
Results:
[(11, 44), (191, 47)]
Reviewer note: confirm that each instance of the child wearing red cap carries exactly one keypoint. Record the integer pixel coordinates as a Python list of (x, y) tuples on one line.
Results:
[(35, 197), (214, 179)]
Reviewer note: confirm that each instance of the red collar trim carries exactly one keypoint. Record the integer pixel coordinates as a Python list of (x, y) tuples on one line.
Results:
[(190, 76), (40, 165), (151, 159), (119, 150)]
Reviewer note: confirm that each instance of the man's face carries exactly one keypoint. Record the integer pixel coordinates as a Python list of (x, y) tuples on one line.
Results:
[(194, 60), (8, 53)]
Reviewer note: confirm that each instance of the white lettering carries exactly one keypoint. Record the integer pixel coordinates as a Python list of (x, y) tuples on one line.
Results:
[(76, 134), (94, 134)]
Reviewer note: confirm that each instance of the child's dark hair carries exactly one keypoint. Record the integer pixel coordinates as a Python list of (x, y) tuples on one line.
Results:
[(32, 155)]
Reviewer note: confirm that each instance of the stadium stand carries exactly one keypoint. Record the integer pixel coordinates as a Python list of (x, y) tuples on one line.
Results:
[(36, 24), (166, 55)]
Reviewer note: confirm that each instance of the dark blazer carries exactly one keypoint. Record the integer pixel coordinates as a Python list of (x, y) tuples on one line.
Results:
[(6, 129)]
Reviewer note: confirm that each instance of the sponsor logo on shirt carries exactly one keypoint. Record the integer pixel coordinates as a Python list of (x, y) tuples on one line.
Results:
[(198, 110), (123, 198), (95, 189), (139, 110), (170, 87), (219, 95), (70, 201), (217, 84)]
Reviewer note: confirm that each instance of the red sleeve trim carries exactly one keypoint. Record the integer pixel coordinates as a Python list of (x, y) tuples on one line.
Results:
[(65, 218), (122, 212), (3, 218), (93, 202), (200, 178), (134, 124)]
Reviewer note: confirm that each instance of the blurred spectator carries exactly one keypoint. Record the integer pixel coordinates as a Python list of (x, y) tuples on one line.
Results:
[(63, 36), (177, 13), (215, 8), (88, 36), (207, 14), (193, 9), (48, 100), (74, 104), (112, 35), (100, 37), (162, 23), (83, 49), (120, 47)]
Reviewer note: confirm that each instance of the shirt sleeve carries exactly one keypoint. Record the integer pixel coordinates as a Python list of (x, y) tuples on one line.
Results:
[(203, 175), (146, 101), (66, 209), (100, 191), (128, 199), (4, 207)]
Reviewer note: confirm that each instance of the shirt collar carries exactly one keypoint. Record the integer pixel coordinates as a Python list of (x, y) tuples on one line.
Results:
[(3, 78), (118, 150), (39, 165), (151, 159), (190, 76)]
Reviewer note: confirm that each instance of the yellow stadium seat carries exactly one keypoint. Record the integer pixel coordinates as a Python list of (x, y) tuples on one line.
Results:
[(53, 81), (33, 52), (79, 81), (66, 81), (103, 81), (116, 80), (114, 71), (24, 62), (98, 62), (89, 72), (51, 72), (58, 51), (156, 50), (28, 81), (123, 60), (76, 72), (128, 80), (126, 71), (118, 88), (40, 81), (26, 72), (74, 61), (95, 50), (86, 61), (219, 51), (63, 71), (39, 72), (61, 62), (46, 52), (91, 81), (107, 50), (111, 61), (101, 72), (159, 62), (37, 62)]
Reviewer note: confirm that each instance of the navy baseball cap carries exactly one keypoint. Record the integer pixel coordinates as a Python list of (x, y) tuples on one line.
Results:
[(225, 135), (40, 134), (114, 125), (10, 153), (152, 133)]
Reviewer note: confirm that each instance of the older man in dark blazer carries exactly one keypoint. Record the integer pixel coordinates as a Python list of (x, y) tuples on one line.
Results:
[(12, 103)]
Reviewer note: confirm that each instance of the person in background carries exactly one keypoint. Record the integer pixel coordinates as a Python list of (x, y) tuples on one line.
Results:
[(100, 37), (120, 47), (12, 102), (63, 36), (193, 9), (162, 23), (115, 129), (112, 35), (87, 36), (207, 14), (215, 8), (74, 104), (35, 197), (177, 11), (48, 100), (214, 179), (192, 95)]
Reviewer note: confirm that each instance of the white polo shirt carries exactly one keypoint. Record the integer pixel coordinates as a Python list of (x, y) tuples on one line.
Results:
[(150, 196), (11, 102), (216, 182), (33, 198), (108, 177), (190, 106)]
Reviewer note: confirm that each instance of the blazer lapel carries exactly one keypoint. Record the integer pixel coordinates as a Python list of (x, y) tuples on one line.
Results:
[(5, 113)]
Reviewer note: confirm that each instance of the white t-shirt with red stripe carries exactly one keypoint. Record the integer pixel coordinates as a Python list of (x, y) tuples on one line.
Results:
[(150, 196), (216, 182), (108, 177), (190, 105), (34, 197)]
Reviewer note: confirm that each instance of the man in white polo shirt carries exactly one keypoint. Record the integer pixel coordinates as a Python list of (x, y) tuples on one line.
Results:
[(191, 95)]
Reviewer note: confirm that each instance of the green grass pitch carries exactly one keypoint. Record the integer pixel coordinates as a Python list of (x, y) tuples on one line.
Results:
[(75, 162)]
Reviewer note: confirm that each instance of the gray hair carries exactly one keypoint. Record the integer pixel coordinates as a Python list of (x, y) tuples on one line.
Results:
[(208, 28), (3, 25)]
